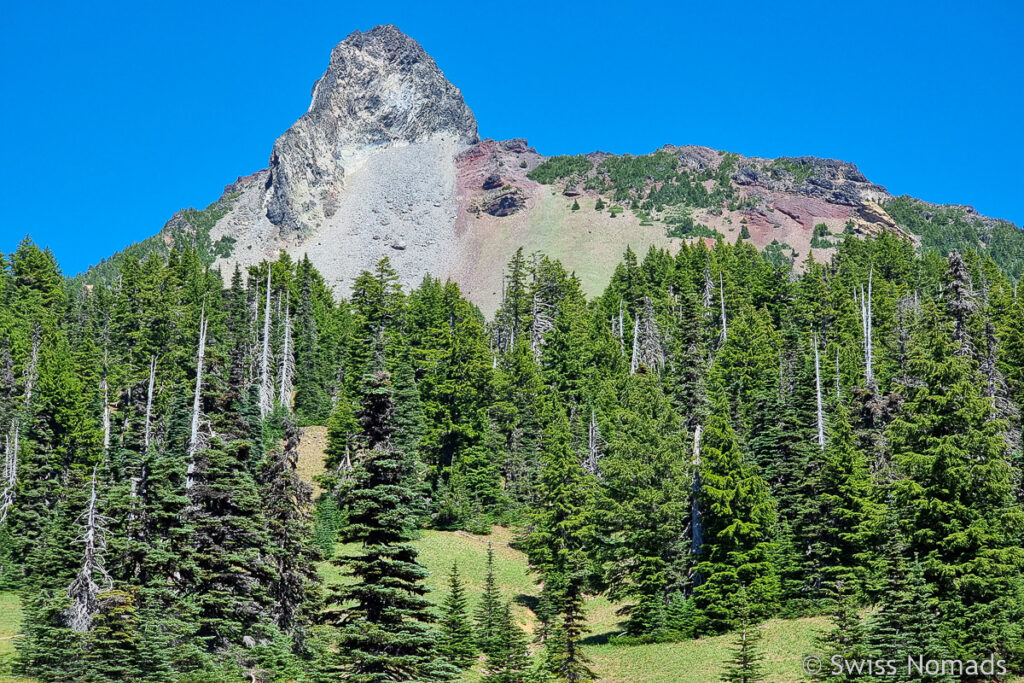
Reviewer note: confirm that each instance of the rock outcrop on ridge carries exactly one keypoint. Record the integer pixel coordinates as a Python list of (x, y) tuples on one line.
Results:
[(387, 162)]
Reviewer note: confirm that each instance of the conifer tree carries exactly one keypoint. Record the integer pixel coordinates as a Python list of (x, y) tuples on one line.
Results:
[(509, 662), (848, 512), (387, 634), (907, 622), (745, 664), (456, 631), (231, 549), (294, 586), (486, 614), (957, 493), (845, 640), (560, 529), (738, 519), (644, 478)]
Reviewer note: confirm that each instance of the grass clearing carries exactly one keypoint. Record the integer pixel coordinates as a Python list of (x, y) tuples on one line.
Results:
[(10, 622), (785, 643)]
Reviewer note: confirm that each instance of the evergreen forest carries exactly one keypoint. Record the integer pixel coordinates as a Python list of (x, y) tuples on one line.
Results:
[(714, 441)]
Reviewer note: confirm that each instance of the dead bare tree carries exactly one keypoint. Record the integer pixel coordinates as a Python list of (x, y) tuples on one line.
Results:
[(288, 359), (84, 589), (721, 298), (817, 391), (709, 287), (194, 444), (10, 480), (594, 444), (542, 322), (865, 324), (266, 388), (32, 369), (149, 400), (648, 344), (105, 387)]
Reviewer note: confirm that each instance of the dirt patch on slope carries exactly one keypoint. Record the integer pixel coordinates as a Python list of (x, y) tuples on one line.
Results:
[(312, 454)]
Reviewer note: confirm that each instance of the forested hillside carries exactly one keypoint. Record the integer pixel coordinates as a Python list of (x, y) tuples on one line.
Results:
[(714, 441)]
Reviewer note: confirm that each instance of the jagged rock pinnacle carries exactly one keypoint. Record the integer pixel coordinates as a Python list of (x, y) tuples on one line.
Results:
[(380, 88)]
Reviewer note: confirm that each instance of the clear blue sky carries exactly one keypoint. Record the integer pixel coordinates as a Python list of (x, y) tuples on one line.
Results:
[(115, 115)]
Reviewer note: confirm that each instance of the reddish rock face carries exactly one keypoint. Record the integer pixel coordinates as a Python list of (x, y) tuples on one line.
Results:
[(808, 211)]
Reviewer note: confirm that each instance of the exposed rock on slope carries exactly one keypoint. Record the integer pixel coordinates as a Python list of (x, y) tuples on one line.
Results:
[(367, 172), (387, 162), (379, 89)]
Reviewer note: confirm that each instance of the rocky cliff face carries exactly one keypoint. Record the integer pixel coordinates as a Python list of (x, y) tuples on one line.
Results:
[(381, 88), (387, 162)]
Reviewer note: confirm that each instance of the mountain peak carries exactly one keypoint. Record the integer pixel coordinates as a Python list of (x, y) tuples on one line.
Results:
[(380, 88)]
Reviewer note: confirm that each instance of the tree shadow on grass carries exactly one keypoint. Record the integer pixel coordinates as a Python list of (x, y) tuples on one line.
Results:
[(530, 602), (598, 638)]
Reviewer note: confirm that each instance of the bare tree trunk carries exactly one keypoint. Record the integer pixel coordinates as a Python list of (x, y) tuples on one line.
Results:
[(709, 287), (106, 414), (149, 400), (593, 445), (84, 588), (869, 351), (817, 390), (541, 324), (10, 482), (288, 362), (266, 388), (33, 364), (648, 347), (721, 297), (194, 446), (634, 360), (697, 530)]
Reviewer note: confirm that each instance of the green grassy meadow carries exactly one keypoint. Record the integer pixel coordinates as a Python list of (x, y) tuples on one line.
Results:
[(785, 641)]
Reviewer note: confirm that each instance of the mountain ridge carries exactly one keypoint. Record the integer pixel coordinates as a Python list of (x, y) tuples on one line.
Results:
[(387, 161)]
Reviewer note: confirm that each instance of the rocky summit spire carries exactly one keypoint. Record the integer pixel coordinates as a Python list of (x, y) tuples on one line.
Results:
[(380, 88)]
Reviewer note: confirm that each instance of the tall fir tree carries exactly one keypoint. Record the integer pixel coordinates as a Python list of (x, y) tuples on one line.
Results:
[(387, 634)]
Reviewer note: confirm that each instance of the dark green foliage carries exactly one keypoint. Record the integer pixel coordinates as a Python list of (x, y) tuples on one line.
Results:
[(232, 577), (386, 635), (509, 659), (327, 521), (956, 489), (685, 226), (487, 610), (571, 419), (191, 230), (294, 586), (798, 169), (946, 229), (559, 167), (457, 642), (745, 664), (845, 640), (649, 489), (738, 519), (907, 622), (560, 530)]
